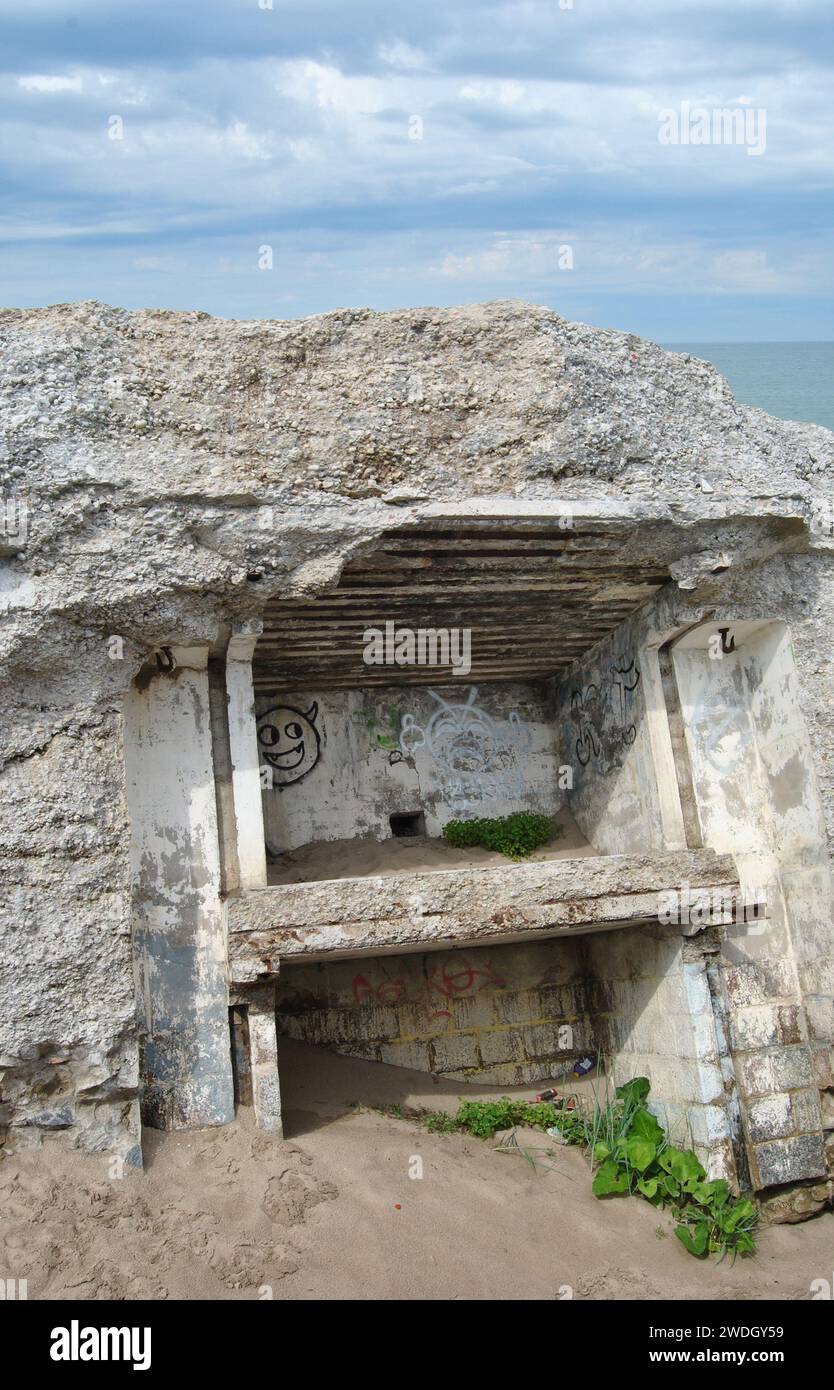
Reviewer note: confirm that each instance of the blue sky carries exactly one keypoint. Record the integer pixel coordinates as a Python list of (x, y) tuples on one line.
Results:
[(292, 126)]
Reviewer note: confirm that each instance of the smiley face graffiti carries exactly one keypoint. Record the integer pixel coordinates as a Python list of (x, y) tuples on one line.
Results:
[(290, 742)]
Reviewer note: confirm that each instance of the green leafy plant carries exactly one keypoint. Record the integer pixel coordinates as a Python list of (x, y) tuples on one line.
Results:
[(571, 1124), (631, 1153), (484, 1117), (515, 836)]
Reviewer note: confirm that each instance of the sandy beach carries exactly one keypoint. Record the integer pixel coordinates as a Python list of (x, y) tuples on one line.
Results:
[(330, 1212)]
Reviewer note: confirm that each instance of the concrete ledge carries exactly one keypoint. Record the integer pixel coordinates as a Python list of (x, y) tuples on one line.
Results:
[(427, 911)]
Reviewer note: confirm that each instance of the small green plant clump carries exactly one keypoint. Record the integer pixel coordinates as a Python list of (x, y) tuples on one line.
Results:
[(516, 836), (632, 1154), (484, 1117)]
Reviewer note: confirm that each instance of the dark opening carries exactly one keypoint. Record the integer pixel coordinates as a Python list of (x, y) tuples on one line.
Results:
[(405, 825), (241, 1069)]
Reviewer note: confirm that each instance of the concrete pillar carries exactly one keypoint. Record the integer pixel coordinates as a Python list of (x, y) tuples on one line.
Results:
[(663, 755), (178, 928), (263, 1045), (243, 744)]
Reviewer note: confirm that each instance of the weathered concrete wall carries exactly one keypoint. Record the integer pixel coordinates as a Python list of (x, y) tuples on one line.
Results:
[(753, 776), (649, 1000), (449, 753), (794, 736), (797, 736), (68, 1045), (601, 714), (508, 1015)]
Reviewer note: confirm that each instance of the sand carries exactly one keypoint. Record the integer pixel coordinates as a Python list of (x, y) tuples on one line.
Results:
[(331, 1212), (413, 854)]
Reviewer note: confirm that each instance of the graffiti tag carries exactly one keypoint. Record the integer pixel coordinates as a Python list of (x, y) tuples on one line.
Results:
[(601, 712), (476, 761), (445, 981)]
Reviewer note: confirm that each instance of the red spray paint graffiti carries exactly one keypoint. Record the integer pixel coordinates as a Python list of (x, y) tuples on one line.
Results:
[(449, 980)]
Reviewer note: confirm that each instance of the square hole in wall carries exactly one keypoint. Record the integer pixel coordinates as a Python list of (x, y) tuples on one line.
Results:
[(404, 825)]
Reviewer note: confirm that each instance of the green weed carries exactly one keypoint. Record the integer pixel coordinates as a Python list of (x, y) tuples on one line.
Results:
[(515, 836), (631, 1153)]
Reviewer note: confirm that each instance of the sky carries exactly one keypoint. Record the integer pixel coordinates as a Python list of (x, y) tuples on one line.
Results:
[(278, 158)]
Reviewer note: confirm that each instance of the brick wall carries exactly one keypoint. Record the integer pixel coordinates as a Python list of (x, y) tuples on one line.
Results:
[(506, 1015)]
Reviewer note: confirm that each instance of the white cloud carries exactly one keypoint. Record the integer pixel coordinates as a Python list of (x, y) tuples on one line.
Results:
[(637, 260), (239, 139), (402, 55), (748, 272), (330, 89), (510, 257), (41, 82)]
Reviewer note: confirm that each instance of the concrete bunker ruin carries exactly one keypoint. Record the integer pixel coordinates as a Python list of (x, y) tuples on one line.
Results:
[(670, 754), (645, 667)]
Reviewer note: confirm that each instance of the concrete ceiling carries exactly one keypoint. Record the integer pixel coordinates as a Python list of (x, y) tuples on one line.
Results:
[(535, 594)]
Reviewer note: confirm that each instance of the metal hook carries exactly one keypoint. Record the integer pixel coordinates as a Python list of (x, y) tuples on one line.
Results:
[(727, 646), (165, 659)]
